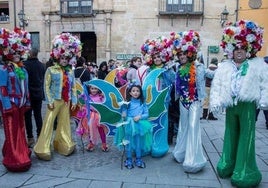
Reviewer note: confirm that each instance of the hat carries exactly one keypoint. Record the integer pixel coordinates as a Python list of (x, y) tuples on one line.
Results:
[(65, 44), (242, 34), (16, 41), (160, 45), (214, 61), (266, 59), (187, 41)]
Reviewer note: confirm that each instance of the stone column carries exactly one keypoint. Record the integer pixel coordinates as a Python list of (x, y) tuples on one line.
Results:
[(108, 21), (47, 36)]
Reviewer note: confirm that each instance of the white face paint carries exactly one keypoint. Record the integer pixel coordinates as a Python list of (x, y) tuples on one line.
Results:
[(64, 61)]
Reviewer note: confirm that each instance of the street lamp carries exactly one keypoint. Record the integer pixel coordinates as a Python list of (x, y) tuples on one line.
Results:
[(23, 22), (224, 16)]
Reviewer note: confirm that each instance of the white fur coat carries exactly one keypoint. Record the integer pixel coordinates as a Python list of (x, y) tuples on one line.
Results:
[(254, 85)]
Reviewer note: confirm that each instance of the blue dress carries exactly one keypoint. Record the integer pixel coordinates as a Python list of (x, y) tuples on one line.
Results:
[(143, 128)]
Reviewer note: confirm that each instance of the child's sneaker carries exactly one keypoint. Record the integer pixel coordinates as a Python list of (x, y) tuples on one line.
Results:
[(90, 147), (129, 163), (139, 163), (104, 147)]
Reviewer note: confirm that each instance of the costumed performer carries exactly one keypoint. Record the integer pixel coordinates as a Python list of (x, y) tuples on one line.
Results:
[(60, 91), (190, 88), (14, 98), (240, 85), (156, 54)]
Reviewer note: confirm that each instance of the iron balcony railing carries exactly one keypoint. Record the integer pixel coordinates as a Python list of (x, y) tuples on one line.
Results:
[(181, 7)]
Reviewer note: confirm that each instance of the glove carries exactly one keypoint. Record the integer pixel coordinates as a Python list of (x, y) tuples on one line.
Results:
[(263, 107), (73, 107), (50, 106)]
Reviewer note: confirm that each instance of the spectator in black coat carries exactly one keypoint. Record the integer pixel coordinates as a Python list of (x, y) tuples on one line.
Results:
[(36, 72), (103, 70), (81, 71)]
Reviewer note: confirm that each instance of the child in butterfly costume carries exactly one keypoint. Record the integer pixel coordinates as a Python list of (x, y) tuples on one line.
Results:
[(96, 130), (137, 130)]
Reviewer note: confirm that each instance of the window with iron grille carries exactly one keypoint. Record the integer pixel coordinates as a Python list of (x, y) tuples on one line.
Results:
[(35, 38), (181, 6), (76, 8)]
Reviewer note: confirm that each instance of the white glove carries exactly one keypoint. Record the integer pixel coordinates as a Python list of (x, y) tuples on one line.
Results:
[(263, 107)]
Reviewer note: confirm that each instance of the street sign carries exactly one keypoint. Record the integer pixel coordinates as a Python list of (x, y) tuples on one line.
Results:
[(126, 56)]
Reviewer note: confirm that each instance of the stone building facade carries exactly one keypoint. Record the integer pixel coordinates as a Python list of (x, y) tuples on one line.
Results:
[(117, 28)]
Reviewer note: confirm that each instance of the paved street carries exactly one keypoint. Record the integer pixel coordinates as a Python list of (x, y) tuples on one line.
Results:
[(100, 170)]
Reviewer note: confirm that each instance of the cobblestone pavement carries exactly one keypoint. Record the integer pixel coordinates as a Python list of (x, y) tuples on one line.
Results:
[(99, 169)]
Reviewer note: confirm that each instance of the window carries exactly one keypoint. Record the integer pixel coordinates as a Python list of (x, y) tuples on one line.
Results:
[(35, 38), (181, 7), (73, 7), (80, 7), (4, 11)]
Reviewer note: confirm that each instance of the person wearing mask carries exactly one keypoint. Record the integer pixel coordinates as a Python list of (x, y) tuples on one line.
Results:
[(61, 96), (14, 98)]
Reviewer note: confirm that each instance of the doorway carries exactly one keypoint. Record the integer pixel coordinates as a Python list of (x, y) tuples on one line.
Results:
[(89, 46)]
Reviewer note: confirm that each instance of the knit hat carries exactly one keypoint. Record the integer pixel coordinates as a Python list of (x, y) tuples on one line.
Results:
[(214, 61), (160, 45), (65, 44), (16, 41), (187, 41), (242, 34)]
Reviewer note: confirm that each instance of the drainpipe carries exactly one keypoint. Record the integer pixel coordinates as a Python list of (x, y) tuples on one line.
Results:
[(236, 11), (15, 15)]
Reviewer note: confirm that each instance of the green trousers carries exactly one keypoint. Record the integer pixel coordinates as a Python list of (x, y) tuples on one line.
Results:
[(238, 155)]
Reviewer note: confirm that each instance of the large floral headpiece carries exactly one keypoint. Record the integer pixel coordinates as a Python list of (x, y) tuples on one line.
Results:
[(65, 44), (242, 34), (160, 45), (16, 41), (187, 41)]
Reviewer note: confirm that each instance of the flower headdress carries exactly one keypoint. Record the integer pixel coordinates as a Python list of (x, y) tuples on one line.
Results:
[(187, 41), (16, 41), (65, 44), (242, 34), (160, 45)]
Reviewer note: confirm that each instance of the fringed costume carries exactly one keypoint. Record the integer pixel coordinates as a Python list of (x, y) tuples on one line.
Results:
[(14, 98)]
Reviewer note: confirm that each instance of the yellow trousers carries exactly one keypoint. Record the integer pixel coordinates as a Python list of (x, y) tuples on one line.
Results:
[(63, 142)]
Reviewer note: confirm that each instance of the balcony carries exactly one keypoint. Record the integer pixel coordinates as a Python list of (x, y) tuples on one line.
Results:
[(79, 8), (181, 7)]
